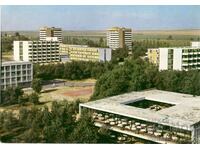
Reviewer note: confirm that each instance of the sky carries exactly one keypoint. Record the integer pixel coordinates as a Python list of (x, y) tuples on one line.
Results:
[(138, 17)]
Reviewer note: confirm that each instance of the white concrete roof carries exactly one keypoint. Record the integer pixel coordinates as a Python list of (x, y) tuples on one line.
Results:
[(15, 62), (184, 114)]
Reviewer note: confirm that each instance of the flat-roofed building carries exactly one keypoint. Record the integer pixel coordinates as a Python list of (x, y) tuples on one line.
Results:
[(37, 51), (153, 115), (50, 32), (179, 58), (153, 56), (16, 73), (119, 38), (85, 53)]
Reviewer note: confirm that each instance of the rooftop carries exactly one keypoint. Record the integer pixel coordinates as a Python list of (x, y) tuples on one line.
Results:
[(15, 62), (183, 114)]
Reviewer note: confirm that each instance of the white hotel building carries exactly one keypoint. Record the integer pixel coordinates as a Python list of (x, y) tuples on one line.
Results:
[(183, 58), (16, 73), (37, 51), (119, 38)]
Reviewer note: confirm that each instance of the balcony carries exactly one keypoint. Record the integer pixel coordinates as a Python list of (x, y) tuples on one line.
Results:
[(141, 129)]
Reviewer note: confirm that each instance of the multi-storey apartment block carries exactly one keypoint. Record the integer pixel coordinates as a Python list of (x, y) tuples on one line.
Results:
[(16, 73), (119, 38), (176, 58), (184, 58), (50, 32), (153, 56), (37, 51), (85, 53)]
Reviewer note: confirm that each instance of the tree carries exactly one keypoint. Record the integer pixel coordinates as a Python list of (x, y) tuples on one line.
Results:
[(85, 131), (17, 34), (36, 85), (34, 98), (170, 37)]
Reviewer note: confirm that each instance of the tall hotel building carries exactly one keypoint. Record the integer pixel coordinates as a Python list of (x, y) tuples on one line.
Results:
[(46, 51), (16, 73), (50, 32), (119, 38), (176, 58)]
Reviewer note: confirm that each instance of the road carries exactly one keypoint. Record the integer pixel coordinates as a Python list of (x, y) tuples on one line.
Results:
[(56, 83)]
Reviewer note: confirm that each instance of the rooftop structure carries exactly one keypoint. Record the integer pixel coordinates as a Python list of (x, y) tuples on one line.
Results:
[(165, 112)]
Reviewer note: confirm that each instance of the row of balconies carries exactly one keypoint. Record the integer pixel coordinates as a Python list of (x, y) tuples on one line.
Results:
[(143, 128)]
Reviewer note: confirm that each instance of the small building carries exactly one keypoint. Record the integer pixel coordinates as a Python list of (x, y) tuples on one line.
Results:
[(16, 73), (153, 115)]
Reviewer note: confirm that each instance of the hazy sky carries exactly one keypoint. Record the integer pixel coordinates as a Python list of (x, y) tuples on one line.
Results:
[(100, 17)]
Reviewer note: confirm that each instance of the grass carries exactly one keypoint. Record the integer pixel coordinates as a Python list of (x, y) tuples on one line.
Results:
[(53, 94)]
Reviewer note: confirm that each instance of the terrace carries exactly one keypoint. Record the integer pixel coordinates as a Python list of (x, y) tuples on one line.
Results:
[(159, 116)]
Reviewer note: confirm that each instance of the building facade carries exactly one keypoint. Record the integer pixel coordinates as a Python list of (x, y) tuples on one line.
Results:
[(184, 58), (153, 55), (153, 115), (16, 73), (195, 44), (37, 51), (85, 53), (50, 32), (119, 38)]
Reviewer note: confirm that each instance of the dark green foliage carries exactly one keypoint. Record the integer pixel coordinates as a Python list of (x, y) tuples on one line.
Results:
[(33, 98), (75, 70), (100, 42), (179, 81), (85, 131), (7, 41), (11, 95), (119, 55), (43, 125), (16, 95), (137, 75), (132, 75), (36, 85)]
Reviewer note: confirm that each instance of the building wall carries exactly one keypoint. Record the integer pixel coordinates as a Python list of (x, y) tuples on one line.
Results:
[(85, 53), (183, 58), (195, 44), (119, 38), (105, 54), (50, 32), (37, 51), (163, 59), (153, 56), (16, 51), (16, 73), (177, 58)]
